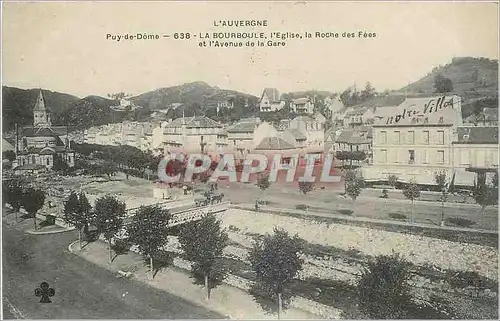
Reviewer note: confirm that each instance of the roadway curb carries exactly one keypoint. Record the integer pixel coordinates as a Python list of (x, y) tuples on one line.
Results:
[(49, 232), (70, 246)]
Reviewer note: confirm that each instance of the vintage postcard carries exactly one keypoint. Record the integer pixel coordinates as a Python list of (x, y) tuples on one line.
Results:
[(249, 160)]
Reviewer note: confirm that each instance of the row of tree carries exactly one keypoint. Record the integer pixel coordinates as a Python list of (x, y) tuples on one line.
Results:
[(18, 194)]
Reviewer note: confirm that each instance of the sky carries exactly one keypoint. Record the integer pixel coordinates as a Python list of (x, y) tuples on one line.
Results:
[(63, 46)]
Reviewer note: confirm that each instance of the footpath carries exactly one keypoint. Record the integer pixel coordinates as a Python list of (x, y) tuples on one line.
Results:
[(224, 299)]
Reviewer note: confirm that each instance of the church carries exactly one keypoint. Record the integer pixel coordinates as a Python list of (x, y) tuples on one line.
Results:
[(39, 146)]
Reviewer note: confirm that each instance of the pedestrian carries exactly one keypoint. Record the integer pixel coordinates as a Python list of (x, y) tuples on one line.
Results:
[(257, 205)]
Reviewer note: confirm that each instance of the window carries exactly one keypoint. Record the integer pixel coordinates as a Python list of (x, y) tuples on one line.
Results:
[(411, 137), (411, 157), (440, 156), (440, 137), (424, 157), (396, 156), (357, 148), (383, 156), (33, 160), (383, 137), (397, 138), (425, 137), (48, 163)]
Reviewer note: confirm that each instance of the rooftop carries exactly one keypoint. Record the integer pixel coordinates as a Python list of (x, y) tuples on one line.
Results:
[(195, 122), (273, 143), (477, 135)]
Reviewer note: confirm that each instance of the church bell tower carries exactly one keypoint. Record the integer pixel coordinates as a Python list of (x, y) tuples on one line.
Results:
[(41, 116)]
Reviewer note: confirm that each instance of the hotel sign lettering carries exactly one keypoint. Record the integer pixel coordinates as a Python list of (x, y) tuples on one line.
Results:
[(432, 106)]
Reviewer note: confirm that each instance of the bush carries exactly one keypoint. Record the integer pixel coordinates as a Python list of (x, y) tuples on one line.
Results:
[(301, 207), (385, 193), (461, 222), (233, 228), (50, 219), (397, 216), (384, 289), (121, 246)]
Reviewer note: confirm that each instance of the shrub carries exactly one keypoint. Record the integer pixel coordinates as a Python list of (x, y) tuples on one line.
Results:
[(461, 222), (301, 207), (383, 288), (50, 219), (385, 193), (121, 246), (397, 216)]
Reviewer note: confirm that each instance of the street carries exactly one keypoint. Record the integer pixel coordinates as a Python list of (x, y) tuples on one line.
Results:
[(82, 289)]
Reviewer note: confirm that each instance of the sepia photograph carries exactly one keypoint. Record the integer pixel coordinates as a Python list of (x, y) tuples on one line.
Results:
[(256, 160)]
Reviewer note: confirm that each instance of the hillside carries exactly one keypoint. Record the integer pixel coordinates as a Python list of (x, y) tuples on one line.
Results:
[(196, 94), (17, 105), (471, 78), (94, 111)]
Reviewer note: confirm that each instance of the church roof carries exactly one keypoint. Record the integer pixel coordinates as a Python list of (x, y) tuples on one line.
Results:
[(44, 131), (40, 103)]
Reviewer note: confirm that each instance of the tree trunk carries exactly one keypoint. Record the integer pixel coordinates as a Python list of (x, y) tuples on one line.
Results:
[(80, 238), (352, 207), (411, 217), (442, 214), (34, 220), (207, 287), (16, 217), (110, 255), (151, 267), (280, 305)]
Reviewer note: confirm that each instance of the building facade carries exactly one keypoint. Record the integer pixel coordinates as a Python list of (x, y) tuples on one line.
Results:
[(303, 105), (414, 140), (38, 146), (194, 135), (270, 100)]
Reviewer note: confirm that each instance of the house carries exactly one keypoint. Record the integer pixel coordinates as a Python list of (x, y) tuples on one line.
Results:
[(197, 134), (39, 145), (474, 147), (262, 131), (487, 117), (312, 129), (333, 105), (414, 140), (240, 135), (270, 100), (302, 105), (355, 139), (358, 116)]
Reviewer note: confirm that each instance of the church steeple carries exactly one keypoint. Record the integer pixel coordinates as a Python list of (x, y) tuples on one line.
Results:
[(41, 116)]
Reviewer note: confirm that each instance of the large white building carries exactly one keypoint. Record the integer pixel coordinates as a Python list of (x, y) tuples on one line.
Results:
[(194, 135), (414, 140)]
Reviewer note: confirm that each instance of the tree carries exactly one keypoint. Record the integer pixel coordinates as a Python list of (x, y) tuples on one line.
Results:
[(486, 194), (109, 214), (263, 182), (350, 175), (306, 187), (384, 289), (392, 180), (440, 179), (442, 84), (367, 93), (353, 190), (204, 242), (149, 231), (412, 192), (59, 164), (276, 262), (33, 200), (9, 155), (13, 194), (77, 212)]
